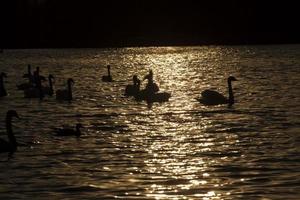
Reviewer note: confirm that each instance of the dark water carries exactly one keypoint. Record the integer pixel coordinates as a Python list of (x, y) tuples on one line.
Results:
[(175, 150)]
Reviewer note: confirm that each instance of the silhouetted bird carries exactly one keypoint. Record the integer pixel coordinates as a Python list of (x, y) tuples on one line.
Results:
[(210, 97), (65, 94), (3, 92), (150, 93), (68, 131), (29, 84), (134, 89), (107, 78), (48, 90), (36, 91), (10, 145)]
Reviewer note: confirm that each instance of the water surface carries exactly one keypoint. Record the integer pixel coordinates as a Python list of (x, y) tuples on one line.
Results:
[(176, 150)]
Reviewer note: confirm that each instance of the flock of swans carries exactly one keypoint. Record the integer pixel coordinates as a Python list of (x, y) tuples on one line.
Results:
[(35, 89)]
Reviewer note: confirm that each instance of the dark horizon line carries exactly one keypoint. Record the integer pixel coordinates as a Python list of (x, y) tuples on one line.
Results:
[(154, 45)]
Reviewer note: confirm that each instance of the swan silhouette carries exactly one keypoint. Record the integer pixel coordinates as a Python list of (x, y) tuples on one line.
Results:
[(107, 78), (65, 94), (35, 91), (134, 89), (29, 74), (10, 145), (68, 131), (150, 93), (29, 84), (211, 97), (3, 92), (48, 90)]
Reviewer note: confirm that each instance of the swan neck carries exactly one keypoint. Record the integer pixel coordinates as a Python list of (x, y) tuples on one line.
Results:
[(78, 133), (231, 97), (70, 90), (108, 71), (10, 134), (50, 84), (1, 82)]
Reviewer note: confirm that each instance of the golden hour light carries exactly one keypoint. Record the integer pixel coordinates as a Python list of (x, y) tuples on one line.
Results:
[(149, 100)]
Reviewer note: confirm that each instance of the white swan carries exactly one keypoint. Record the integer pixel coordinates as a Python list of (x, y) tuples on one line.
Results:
[(107, 78), (10, 145), (65, 94), (3, 92), (68, 131), (210, 97)]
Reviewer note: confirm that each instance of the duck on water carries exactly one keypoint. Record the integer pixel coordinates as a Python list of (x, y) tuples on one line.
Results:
[(9, 146), (68, 131), (211, 97)]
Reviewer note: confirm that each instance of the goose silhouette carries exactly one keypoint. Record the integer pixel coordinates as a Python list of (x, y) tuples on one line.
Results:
[(10, 145), (3, 92), (107, 78), (65, 94), (211, 97), (68, 131)]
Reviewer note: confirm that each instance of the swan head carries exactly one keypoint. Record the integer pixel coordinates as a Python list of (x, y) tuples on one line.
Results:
[(12, 113), (78, 126), (70, 80), (108, 67), (231, 78), (3, 75), (50, 76)]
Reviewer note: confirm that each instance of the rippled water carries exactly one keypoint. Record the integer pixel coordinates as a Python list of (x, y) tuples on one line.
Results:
[(176, 150)]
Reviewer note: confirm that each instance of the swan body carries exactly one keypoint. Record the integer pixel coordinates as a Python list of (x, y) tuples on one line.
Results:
[(211, 97), (132, 90), (65, 94), (150, 93), (3, 92), (107, 78), (24, 86), (10, 145), (144, 95), (34, 92), (68, 131)]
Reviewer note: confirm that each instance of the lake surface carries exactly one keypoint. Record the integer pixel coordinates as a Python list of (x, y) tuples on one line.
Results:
[(174, 150)]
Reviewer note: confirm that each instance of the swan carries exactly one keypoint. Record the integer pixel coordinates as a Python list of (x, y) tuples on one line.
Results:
[(10, 145), (35, 92), (134, 89), (68, 131), (107, 78), (29, 74), (210, 97), (151, 97), (150, 93), (3, 92), (48, 90), (29, 84), (65, 94)]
